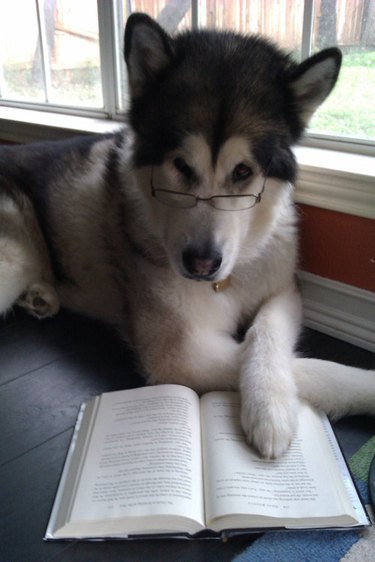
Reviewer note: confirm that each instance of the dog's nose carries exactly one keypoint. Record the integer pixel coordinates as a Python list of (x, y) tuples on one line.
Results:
[(201, 265)]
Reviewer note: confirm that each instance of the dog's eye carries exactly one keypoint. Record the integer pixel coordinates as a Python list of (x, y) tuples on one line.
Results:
[(183, 168), (241, 172)]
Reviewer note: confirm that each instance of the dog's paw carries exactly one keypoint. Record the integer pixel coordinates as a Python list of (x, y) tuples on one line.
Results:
[(40, 300), (270, 427)]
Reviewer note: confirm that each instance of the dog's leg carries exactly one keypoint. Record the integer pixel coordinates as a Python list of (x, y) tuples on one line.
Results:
[(269, 401), (337, 389), (25, 274)]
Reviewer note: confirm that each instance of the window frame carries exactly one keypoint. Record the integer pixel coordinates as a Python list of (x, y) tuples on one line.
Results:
[(348, 186), (110, 19)]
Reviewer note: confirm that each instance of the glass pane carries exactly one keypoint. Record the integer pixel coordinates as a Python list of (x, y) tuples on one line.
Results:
[(280, 20), (72, 52), (73, 39), (172, 15), (350, 110), (21, 79)]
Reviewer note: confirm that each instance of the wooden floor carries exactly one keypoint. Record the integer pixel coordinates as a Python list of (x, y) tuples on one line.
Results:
[(47, 368)]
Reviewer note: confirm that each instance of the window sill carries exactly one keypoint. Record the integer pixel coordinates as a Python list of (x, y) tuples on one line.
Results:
[(335, 180), (27, 125), (329, 179)]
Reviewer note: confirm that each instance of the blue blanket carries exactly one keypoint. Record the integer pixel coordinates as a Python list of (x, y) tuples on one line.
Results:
[(322, 546)]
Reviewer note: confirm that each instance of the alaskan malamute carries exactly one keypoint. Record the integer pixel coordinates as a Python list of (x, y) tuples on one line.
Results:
[(180, 230)]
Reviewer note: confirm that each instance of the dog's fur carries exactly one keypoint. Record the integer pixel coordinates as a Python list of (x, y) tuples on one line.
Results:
[(211, 113)]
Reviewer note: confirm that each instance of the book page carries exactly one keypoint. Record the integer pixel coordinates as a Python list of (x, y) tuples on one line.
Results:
[(303, 487), (143, 459)]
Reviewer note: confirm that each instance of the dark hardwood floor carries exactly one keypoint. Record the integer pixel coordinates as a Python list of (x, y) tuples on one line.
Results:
[(47, 369)]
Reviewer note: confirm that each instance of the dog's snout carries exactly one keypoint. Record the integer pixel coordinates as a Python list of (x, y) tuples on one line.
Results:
[(201, 264)]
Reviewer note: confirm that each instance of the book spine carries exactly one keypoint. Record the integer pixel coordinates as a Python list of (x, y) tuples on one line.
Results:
[(349, 484), (72, 467)]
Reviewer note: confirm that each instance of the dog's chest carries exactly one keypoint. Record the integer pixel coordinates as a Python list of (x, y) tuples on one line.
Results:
[(221, 310)]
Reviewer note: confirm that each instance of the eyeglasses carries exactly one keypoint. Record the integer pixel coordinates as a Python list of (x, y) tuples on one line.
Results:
[(181, 200)]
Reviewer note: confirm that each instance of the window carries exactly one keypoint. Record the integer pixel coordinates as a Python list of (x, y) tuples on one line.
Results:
[(49, 52), (66, 55)]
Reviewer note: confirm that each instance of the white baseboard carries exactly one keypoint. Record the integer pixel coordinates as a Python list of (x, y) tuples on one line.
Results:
[(339, 310)]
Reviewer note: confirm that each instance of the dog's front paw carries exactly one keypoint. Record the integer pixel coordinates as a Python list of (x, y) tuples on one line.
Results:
[(271, 426)]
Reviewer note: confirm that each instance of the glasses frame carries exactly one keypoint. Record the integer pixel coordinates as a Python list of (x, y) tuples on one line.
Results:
[(210, 200)]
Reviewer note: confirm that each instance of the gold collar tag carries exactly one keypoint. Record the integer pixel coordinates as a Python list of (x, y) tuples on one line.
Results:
[(219, 286)]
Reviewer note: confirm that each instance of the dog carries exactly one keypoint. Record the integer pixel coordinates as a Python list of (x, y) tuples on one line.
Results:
[(180, 230)]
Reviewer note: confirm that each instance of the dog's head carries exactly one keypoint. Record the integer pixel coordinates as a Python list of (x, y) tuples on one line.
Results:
[(215, 115)]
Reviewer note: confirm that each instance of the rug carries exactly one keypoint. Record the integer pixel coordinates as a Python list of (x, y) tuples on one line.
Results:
[(322, 546)]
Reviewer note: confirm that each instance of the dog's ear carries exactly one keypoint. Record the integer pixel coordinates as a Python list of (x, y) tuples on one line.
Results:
[(148, 51), (313, 80)]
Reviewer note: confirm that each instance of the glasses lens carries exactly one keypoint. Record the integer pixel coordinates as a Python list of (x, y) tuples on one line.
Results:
[(234, 202), (175, 199)]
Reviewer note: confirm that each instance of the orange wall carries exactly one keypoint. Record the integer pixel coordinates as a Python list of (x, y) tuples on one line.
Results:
[(338, 246)]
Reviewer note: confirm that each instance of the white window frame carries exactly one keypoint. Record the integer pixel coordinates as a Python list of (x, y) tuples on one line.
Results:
[(110, 66), (327, 178)]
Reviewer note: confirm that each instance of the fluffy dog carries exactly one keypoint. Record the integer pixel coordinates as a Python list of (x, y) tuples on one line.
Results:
[(180, 230)]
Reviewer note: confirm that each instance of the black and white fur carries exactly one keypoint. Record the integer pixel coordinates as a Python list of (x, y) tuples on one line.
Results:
[(211, 113)]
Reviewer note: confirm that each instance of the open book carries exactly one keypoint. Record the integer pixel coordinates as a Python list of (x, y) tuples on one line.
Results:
[(159, 460)]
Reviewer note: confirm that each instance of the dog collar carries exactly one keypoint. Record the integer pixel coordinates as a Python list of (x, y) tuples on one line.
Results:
[(219, 286)]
